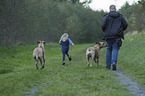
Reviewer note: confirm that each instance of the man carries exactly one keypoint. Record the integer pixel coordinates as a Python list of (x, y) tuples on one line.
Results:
[(113, 26)]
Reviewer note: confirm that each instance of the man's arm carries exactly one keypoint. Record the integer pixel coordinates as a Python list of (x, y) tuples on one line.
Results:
[(124, 23), (103, 25)]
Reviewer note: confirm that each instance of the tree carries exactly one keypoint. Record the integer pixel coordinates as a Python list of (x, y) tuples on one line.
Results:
[(142, 2), (27, 21)]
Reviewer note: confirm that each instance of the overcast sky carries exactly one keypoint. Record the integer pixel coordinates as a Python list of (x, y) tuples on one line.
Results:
[(104, 4)]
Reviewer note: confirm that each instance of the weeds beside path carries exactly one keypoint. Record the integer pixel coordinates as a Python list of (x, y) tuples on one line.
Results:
[(132, 57)]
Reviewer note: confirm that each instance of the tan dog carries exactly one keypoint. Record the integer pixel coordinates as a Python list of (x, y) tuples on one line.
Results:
[(39, 53), (93, 52)]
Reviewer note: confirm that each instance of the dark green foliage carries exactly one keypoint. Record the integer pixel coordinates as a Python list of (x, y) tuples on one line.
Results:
[(142, 2), (28, 21), (135, 16)]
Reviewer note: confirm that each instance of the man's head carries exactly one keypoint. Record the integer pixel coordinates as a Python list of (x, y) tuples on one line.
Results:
[(112, 8)]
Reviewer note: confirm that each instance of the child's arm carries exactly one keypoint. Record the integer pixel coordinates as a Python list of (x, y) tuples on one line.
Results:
[(71, 42), (60, 42)]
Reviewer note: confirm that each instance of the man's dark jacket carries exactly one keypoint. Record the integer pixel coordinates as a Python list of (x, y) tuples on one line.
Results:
[(113, 25)]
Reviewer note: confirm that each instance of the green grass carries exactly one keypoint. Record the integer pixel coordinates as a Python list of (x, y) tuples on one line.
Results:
[(132, 57), (18, 74)]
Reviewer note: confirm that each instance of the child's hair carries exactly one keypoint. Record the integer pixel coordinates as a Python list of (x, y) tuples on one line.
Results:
[(64, 37)]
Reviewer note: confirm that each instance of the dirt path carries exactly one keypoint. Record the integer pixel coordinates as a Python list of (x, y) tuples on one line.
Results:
[(32, 91), (132, 85)]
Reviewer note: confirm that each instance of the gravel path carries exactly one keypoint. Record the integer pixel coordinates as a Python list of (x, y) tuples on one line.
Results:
[(132, 85)]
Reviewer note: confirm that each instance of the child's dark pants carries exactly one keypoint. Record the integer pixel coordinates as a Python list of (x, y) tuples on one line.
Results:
[(65, 50)]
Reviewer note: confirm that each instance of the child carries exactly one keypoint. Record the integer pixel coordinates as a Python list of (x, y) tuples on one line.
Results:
[(64, 41)]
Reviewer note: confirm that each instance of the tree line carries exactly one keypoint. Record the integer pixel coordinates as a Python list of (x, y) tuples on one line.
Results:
[(27, 21), (135, 15)]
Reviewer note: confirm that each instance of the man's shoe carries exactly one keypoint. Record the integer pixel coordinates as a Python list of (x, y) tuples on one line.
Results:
[(70, 59), (108, 67), (114, 67)]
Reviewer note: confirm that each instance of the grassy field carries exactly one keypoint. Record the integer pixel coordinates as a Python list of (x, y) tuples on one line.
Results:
[(18, 74), (132, 57)]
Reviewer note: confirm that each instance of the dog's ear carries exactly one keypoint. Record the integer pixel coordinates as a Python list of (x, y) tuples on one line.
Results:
[(96, 42), (100, 44), (43, 42), (38, 42)]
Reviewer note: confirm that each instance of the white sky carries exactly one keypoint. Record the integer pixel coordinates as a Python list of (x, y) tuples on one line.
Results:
[(104, 4)]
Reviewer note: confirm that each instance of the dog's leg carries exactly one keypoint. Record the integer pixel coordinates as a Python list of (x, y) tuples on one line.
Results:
[(41, 62), (36, 62), (97, 60), (93, 56), (91, 62), (87, 58), (44, 58)]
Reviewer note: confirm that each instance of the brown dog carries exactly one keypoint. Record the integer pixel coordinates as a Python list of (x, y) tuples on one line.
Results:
[(93, 52), (39, 53)]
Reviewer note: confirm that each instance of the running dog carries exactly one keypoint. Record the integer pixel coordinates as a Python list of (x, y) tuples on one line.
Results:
[(39, 53)]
